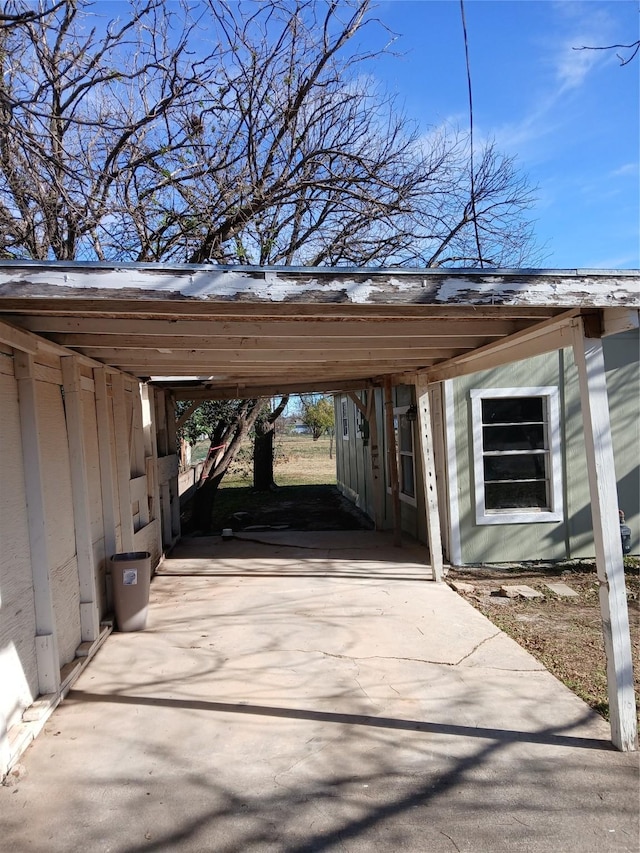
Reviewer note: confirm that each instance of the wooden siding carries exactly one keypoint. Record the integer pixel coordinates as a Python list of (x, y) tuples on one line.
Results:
[(18, 665), (59, 517)]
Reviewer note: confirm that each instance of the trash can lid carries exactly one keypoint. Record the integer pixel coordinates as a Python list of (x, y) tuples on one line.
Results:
[(131, 555)]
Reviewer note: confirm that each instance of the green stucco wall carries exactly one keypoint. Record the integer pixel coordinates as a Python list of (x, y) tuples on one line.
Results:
[(571, 538)]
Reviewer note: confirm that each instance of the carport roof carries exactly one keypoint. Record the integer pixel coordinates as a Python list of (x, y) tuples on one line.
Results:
[(252, 331)]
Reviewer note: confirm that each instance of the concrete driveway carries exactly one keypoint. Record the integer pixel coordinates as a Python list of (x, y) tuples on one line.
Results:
[(317, 693)]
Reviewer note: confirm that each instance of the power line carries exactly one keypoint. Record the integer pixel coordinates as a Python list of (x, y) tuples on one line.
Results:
[(471, 153)]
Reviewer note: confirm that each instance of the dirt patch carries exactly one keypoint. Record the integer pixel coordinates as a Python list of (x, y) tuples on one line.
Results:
[(565, 634)]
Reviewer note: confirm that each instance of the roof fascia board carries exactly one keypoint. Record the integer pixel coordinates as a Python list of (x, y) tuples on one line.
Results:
[(364, 286)]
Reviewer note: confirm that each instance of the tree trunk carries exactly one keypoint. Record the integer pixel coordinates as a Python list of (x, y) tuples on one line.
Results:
[(218, 463), (263, 480)]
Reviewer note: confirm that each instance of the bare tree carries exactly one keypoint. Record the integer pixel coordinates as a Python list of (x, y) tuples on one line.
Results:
[(232, 132), (87, 106), (245, 134)]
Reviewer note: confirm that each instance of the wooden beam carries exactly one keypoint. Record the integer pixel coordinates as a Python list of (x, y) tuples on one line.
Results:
[(151, 458), (104, 420), (357, 402), (184, 417), (392, 460), (243, 391), (18, 339), (272, 373), (377, 478), (165, 355), (174, 496), (47, 659), (123, 462), (89, 603), (589, 358), (296, 342), (469, 326), (425, 429), (544, 337), (73, 308), (616, 320)]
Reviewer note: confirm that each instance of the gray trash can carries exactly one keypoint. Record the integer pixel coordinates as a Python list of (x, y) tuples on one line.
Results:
[(130, 580)]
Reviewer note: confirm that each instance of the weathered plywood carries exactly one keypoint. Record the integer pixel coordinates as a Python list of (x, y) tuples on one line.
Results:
[(167, 468), (148, 539), (18, 663), (60, 519)]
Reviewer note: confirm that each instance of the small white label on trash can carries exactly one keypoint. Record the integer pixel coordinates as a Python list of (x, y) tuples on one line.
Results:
[(130, 577)]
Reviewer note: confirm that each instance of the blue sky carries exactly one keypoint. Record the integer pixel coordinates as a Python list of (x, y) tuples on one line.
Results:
[(570, 117)]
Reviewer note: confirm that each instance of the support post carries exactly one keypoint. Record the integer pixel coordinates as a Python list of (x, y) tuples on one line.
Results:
[(89, 607), (377, 481), (107, 490), (151, 457), (589, 360), (425, 428), (392, 457), (123, 461), (173, 484), (47, 660)]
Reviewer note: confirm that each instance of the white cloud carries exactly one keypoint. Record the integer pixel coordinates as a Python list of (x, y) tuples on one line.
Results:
[(627, 170), (580, 25), (615, 262)]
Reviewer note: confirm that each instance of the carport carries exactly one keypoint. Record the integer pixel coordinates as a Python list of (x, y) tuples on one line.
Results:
[(210, 332)]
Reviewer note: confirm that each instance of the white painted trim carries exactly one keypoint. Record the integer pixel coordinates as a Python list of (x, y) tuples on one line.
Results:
[(344, 418), (589, 359), (425, 429), (455, 545), (404, 497), (556, 510), (89, 608)]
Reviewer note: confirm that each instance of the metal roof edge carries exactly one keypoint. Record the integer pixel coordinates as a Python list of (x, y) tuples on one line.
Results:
[(318, 271)]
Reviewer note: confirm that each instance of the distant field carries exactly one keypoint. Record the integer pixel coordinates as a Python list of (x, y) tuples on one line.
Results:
[(299, 461)]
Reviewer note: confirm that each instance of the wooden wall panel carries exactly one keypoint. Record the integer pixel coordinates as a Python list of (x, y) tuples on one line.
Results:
[(60, 521), (18, 666)]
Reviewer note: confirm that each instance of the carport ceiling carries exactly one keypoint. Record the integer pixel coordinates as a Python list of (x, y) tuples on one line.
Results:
[(210, 331)]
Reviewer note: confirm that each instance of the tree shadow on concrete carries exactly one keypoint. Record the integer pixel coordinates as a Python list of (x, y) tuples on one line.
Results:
[(311, 507)]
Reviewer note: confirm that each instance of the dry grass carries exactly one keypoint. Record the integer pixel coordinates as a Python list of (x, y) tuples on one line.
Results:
[(299, 461), (302, 461), (565, 634)]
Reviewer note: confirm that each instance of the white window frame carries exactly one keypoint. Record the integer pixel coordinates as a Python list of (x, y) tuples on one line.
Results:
[(404, 497), (344, 418), (554, 475)]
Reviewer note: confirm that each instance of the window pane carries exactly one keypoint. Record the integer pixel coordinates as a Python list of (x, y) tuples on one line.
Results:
[(345, 420), (512, 410), (524, 437), (407, 484), (405, 436), (516, 467), (515, 496)]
